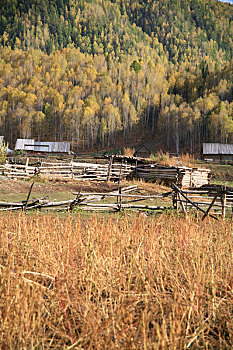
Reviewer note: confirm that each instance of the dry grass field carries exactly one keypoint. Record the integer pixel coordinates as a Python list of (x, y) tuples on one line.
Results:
[(123, 283)]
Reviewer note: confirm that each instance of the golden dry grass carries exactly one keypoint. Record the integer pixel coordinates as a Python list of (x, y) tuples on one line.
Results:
[(164, 159), (124, 283), (128, 152)]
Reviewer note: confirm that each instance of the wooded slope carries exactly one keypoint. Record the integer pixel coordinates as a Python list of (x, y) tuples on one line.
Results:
[(93, 71)]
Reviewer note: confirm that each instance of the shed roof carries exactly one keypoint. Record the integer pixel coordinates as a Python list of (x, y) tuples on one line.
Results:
[(24, 144), (217, 148), (142, 149), (48, 147)]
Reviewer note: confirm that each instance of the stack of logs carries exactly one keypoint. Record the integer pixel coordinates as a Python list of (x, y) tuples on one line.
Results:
[(182, 176)]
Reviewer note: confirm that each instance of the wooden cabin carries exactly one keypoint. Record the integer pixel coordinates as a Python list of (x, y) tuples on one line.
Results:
[(142, 152), (32, 146), (217, 151)]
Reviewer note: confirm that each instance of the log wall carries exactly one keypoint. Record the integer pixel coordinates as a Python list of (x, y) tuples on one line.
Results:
[(183, 176)]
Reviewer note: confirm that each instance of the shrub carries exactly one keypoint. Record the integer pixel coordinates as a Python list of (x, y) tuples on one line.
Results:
[(3, 152)]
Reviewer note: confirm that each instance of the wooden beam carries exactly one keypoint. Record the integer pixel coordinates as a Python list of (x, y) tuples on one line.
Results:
[(182, 204), (223, 200), (26, 204)]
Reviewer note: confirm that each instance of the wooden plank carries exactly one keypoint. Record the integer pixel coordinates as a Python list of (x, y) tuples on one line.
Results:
[(223, 200)]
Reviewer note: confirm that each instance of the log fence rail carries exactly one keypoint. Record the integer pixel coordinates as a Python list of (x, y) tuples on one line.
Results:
[(213, 201)]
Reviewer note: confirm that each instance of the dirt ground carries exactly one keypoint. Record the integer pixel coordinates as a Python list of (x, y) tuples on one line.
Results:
[(20, 186), (18, 189)]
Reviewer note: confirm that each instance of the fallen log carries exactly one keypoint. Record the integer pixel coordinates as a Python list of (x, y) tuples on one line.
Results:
[(118, 195), (126, 206)]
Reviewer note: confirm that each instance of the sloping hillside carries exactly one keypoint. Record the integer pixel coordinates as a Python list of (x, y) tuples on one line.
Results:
[(96, 72)]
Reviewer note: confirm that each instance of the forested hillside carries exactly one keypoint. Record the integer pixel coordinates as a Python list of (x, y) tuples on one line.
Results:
[(99, 71)]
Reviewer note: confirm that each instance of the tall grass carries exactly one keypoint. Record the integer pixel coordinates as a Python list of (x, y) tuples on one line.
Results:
[(124, 283), (165, 159), (128, 152)]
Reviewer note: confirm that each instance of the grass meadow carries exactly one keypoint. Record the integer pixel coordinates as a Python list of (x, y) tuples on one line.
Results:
[(115, 283)]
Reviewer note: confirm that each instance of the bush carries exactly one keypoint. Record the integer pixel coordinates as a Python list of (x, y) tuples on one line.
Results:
[(20, 152), (3, 152)]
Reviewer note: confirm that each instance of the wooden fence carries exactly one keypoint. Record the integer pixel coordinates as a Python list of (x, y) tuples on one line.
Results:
[(186, 177), (18, 171), (214, 201), (72, 170), (117, 200)]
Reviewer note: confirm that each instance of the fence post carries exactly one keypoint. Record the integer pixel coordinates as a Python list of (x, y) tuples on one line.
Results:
[(174, 200), (223, 200), (120, 192), (26, 165), (29, 193), (71, 170)]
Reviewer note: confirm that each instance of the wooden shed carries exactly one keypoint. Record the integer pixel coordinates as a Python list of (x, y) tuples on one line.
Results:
[(32, 146), (182, 176), (217, 151), (142, 152)]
